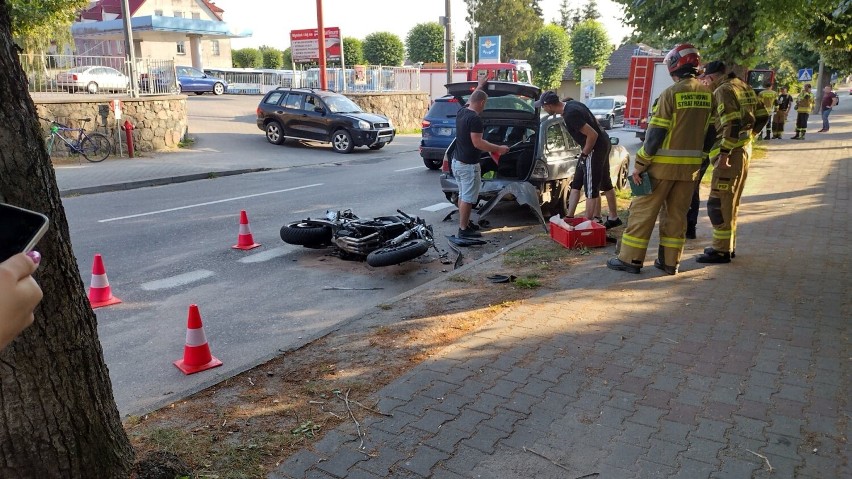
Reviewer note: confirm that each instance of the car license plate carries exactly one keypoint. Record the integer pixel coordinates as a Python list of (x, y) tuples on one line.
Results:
[(384, 139), (445, 131)]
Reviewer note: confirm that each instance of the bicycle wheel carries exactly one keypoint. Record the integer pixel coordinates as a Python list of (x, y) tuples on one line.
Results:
[(95, 147)]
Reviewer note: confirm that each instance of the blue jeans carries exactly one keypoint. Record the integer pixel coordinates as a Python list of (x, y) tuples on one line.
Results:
[(825, 113)]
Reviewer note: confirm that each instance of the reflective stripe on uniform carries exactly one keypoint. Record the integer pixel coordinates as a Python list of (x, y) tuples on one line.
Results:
[(634, 242), (677, 160), (672, 242), (730, 117), (721, 234), (660, 122)]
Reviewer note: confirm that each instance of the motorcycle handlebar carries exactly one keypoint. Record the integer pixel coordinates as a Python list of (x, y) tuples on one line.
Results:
[(403, 214)]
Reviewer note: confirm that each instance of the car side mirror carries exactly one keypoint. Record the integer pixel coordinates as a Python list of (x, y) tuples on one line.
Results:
[(613, 140), (204, 76)]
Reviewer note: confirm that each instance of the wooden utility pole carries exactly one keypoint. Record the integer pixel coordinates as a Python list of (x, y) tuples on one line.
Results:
[(129, 50), (321, 45)]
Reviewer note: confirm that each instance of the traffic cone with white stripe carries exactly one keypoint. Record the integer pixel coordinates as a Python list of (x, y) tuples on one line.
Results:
[(196, 351), (245, 240), (100, 294)]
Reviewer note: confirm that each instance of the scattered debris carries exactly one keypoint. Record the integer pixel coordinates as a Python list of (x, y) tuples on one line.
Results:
[(764, 458), (345, 399)]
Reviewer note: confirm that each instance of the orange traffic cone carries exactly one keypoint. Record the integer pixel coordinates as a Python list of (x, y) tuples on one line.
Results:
[(245, 240), (196, 351), (100, 294)]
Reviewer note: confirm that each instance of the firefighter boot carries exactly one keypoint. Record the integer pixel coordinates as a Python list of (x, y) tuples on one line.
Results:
[(660, 263), (713, 256), (710, 250), (690, 231)]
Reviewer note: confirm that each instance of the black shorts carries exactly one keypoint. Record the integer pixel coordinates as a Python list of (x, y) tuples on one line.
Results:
[(593, 174)]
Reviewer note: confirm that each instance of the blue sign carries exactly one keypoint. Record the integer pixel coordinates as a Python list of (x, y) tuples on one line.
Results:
[(489, 49), (806, 74)]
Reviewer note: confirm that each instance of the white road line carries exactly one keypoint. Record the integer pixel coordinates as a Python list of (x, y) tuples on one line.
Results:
[(208, 203), (178, 280), (266, 255), (406, 169), (438, 207)]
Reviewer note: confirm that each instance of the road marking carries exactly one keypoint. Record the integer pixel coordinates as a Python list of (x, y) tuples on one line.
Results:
[(208, 203), (69, 167), (438, 207), (178, 280), (266, 255), (406, 169)]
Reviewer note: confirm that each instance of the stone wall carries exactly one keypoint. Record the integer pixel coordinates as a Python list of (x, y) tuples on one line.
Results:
[(405, 109), (160, 122)]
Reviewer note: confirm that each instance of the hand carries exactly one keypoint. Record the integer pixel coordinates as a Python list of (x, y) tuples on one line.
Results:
[(482, 82), (722, 161), (637, 178), (502, 150), (19, 295)]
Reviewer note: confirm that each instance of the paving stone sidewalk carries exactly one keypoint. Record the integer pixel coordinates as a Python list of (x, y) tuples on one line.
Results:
[(718, 372)]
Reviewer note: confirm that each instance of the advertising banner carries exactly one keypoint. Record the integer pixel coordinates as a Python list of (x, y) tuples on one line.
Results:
[(304, 45), (360, 74), (489, 49)]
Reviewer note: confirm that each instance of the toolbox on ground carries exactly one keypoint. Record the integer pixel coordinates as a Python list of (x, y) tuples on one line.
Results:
[(593, 237)]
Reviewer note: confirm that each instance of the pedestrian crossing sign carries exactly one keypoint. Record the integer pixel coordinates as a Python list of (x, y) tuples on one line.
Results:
[(806, 74)]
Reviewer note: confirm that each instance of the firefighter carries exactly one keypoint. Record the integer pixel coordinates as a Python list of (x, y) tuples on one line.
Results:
[(739, 116), (782, 111), (804, 105), (768, 97), (671, 154)]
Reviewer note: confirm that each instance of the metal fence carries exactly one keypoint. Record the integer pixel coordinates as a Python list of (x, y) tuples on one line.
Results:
[(96, 74), (375, 79)]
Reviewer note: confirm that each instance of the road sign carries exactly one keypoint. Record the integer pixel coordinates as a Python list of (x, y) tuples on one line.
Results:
[(806, 74), (489, 49)]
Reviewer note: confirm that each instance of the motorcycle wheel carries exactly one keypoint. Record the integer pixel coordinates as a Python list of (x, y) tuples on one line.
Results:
[(306, 233), (397, 254)]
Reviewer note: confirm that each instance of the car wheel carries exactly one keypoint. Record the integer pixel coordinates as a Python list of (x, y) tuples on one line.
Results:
[(274, 133), (621, 177), (341, 141), (92, 88), (218, 89), (452, 198), (608, 123), (433, 164)]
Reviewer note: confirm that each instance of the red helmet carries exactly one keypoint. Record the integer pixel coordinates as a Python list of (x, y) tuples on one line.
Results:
[(681, 56)]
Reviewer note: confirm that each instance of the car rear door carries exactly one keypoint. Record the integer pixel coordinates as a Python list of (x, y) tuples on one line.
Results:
[(291, 115), (559, 149)]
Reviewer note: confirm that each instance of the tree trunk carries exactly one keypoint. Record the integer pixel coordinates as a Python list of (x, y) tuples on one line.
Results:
[(58, 417)]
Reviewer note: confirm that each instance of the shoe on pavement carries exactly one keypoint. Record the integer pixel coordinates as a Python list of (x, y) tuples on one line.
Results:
[(672, 270), (618, 265), (822, 131), (710, 250), (612, 223), (471, 226), (690, 231), (711, 256), (469, 233)]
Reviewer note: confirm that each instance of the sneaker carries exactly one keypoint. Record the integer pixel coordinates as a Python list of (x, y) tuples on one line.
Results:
[(690, 231), (821, 131), (612, 223), (472, 226), (468, 233), (598, 220), (618, 265)]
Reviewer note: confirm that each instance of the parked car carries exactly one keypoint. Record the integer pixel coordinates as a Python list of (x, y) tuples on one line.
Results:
[(92, 79), (609, 110), (321, 115), (439, 130), (198, 82), (158, 80), (542, 158)]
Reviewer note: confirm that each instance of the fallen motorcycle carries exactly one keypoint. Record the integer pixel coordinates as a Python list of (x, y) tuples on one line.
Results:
[(382, 241)]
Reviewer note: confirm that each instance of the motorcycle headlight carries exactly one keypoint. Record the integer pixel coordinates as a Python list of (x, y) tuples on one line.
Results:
[(364, 125)]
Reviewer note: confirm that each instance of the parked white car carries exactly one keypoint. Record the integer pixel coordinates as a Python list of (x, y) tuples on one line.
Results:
[(92, 79)]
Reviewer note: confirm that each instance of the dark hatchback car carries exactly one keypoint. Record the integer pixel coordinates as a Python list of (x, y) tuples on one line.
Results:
[(320, 115), (439, 130), (542, 157)]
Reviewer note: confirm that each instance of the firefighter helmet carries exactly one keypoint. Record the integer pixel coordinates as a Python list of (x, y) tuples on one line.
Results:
[(682, 56)]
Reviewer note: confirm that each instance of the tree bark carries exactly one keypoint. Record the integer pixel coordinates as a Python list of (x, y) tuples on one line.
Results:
[(58, 417)]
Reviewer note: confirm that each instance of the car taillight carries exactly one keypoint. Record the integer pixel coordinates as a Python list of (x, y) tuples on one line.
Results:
[(540, 170), (445, 165), (74, 77), (425, 123), (258, 112)]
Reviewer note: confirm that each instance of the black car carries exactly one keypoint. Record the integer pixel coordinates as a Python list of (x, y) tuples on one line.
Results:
[(324, 116)]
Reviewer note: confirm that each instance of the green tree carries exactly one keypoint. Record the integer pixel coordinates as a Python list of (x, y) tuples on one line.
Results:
[(247, 58), (35, 23), (59, 413), (287, 59), (384, 48), (590, 47), (425, 43), (353, 51), (590, 11), (568, 17), (271, 57), (514, 20), (550, 53), (536, 7)]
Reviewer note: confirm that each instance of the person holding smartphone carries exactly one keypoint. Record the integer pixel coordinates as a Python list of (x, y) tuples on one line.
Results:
[(19, 295)]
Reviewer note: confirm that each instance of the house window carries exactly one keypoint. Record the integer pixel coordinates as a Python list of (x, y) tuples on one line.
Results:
[(178, 14), (196, 16), (214, 46), (158, 13), (181, 48)]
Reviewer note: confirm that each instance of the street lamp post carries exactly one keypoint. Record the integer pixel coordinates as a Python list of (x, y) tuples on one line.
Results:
[(129, 50)]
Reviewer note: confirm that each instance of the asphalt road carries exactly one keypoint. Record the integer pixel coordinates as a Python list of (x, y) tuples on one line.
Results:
[(168, 247)]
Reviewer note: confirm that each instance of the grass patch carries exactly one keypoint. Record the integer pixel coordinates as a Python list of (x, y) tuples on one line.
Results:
[(542, 255), (186, 142), (459, 279), (385, 307), (410, 131), (527, 282)]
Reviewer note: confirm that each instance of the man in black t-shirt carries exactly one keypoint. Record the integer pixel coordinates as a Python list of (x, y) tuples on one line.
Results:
[(468, 150), (593, 166)]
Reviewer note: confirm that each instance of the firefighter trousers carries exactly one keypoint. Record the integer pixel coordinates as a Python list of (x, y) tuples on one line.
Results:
[(726, 190), (802, 124), (778, 121), (670, 200)]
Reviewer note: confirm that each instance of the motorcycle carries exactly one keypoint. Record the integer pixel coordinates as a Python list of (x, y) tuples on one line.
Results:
[(382, 241)]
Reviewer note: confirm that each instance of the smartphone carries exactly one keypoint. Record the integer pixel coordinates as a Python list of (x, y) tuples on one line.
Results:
[(20, 230)]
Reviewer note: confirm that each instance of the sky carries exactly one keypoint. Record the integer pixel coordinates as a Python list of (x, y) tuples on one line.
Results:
[(271, 20)]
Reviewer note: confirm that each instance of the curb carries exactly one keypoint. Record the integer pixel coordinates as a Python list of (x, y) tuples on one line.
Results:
[(321, 334), (132, 185)]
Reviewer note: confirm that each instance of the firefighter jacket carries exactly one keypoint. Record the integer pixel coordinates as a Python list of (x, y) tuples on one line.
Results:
[(768, 98), (783, 101), (805, 102), (676, 138), (739, 115)]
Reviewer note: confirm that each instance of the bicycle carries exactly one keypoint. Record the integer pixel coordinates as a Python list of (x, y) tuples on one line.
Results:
[(94, 146)]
